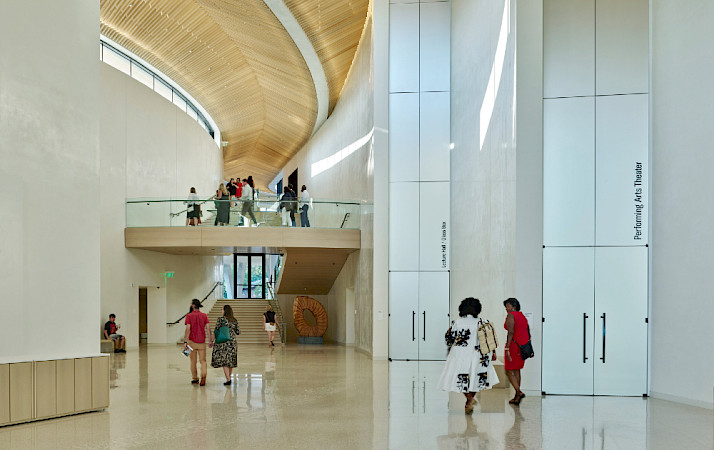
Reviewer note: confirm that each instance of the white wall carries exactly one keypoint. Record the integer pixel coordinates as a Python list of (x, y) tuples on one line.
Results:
[(682, 237), (149, 149), (350, 178), (483, 160), (49, 144), (529, 174)]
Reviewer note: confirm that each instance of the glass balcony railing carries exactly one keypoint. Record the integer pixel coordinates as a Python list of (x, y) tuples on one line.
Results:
[(266, 210)]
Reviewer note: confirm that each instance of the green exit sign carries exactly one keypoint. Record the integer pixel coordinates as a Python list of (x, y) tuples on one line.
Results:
[(169, 274)]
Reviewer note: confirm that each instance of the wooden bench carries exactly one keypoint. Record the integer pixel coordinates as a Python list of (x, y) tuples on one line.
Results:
[(106, 346)]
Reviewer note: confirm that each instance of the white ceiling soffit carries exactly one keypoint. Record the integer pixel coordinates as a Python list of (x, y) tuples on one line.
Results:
[(286, 18)]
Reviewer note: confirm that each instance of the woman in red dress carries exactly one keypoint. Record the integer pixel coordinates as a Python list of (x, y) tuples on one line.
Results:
[(517, 326)]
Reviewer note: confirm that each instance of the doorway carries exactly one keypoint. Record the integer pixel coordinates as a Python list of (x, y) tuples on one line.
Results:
[(293, 179), (143, 327), (351, 314)]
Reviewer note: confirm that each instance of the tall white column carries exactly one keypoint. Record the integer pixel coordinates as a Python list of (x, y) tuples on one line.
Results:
[(419, 170), (595, 185)]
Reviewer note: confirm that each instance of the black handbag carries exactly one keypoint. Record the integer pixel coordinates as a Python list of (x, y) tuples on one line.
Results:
[(527, 348)]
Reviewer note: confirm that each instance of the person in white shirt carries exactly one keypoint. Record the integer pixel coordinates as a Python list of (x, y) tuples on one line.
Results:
[(193, 212), (284, 206), (304, 205), (247, 199)]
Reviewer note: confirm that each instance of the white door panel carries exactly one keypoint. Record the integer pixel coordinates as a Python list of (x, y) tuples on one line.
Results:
[(403, 137), (569, 172), (434, 47), (404, 48), (434, 224), (568, 328), (621, 330), (433, 314), (622, 153), (434, 136), (404, 226), (568, 48), (622, 50), (403, 311)]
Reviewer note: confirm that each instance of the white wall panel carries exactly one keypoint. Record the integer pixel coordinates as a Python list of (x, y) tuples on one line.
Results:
[(403, 312), (568, 48), (622, 50), (404, 226), (569, 171), (434, 220), (404, 137), (621, 168), (404, 48), (434, 46), (568, 309), (433, 314), (621, 297), (434, 136), (49, 131)]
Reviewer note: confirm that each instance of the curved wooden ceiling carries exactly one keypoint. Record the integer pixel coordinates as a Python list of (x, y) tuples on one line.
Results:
[(236, 59)]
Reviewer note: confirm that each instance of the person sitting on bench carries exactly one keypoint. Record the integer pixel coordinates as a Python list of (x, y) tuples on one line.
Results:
[(110, 332)]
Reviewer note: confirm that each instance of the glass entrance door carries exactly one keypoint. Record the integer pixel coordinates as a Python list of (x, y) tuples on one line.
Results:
[(249, 276)]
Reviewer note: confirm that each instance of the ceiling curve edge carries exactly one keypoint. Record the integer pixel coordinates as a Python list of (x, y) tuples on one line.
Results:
[(304, 45)]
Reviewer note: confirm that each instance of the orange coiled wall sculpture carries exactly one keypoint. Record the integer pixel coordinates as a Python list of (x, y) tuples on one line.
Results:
[(305, 329)]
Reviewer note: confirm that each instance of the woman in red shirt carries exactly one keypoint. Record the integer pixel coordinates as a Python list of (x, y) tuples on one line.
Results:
[(517, 326), (195, 337)]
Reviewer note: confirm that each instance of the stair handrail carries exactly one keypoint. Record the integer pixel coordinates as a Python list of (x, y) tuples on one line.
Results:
[(276, 306), (198, 202), (215, 285)]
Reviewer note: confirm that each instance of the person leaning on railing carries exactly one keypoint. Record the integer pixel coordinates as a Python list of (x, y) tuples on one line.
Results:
[(193, 213), (284, 206), (223, 206), (305, 200)]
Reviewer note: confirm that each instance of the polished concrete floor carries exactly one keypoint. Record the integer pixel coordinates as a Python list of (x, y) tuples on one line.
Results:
[(331, 397)]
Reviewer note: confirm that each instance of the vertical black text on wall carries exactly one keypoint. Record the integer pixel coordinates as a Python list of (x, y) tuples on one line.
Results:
[(443, 245), (639, 201)]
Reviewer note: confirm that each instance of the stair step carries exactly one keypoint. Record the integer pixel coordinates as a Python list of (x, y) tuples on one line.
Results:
[(249, 315)]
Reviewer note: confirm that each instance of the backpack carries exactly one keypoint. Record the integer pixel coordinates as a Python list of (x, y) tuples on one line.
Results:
[(487, 340)]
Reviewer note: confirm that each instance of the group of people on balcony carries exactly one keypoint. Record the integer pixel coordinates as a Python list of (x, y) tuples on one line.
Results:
[(288, 206), (227, 195)]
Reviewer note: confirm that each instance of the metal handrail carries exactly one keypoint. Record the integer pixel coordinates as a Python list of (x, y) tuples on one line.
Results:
[(203, 300)]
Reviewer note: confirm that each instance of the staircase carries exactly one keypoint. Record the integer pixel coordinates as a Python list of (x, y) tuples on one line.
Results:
[(249, 314)]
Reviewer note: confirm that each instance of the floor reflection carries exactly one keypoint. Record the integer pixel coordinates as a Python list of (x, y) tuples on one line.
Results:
[(333, 397)]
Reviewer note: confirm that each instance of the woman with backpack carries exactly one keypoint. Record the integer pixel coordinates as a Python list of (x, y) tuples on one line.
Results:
[(468, 367), (225, 352)]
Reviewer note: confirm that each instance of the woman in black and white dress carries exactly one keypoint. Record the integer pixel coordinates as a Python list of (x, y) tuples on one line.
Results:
[(467, 370), (225, 354)]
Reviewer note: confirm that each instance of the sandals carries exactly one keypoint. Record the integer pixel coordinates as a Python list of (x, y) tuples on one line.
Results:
[(516, 400), (194, 381), (203, 381), (469, 408)]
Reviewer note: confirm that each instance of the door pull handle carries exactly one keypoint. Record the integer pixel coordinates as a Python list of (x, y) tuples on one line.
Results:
[(585, 334), (424, 336), (413, 328), (604, 331)]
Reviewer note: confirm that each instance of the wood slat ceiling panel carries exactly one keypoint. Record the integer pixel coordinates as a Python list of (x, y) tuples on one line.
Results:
[(334, 27), (236, 59)]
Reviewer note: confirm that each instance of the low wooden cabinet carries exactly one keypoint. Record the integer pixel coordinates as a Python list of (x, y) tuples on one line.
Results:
[(36, 390), (4, 394)]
